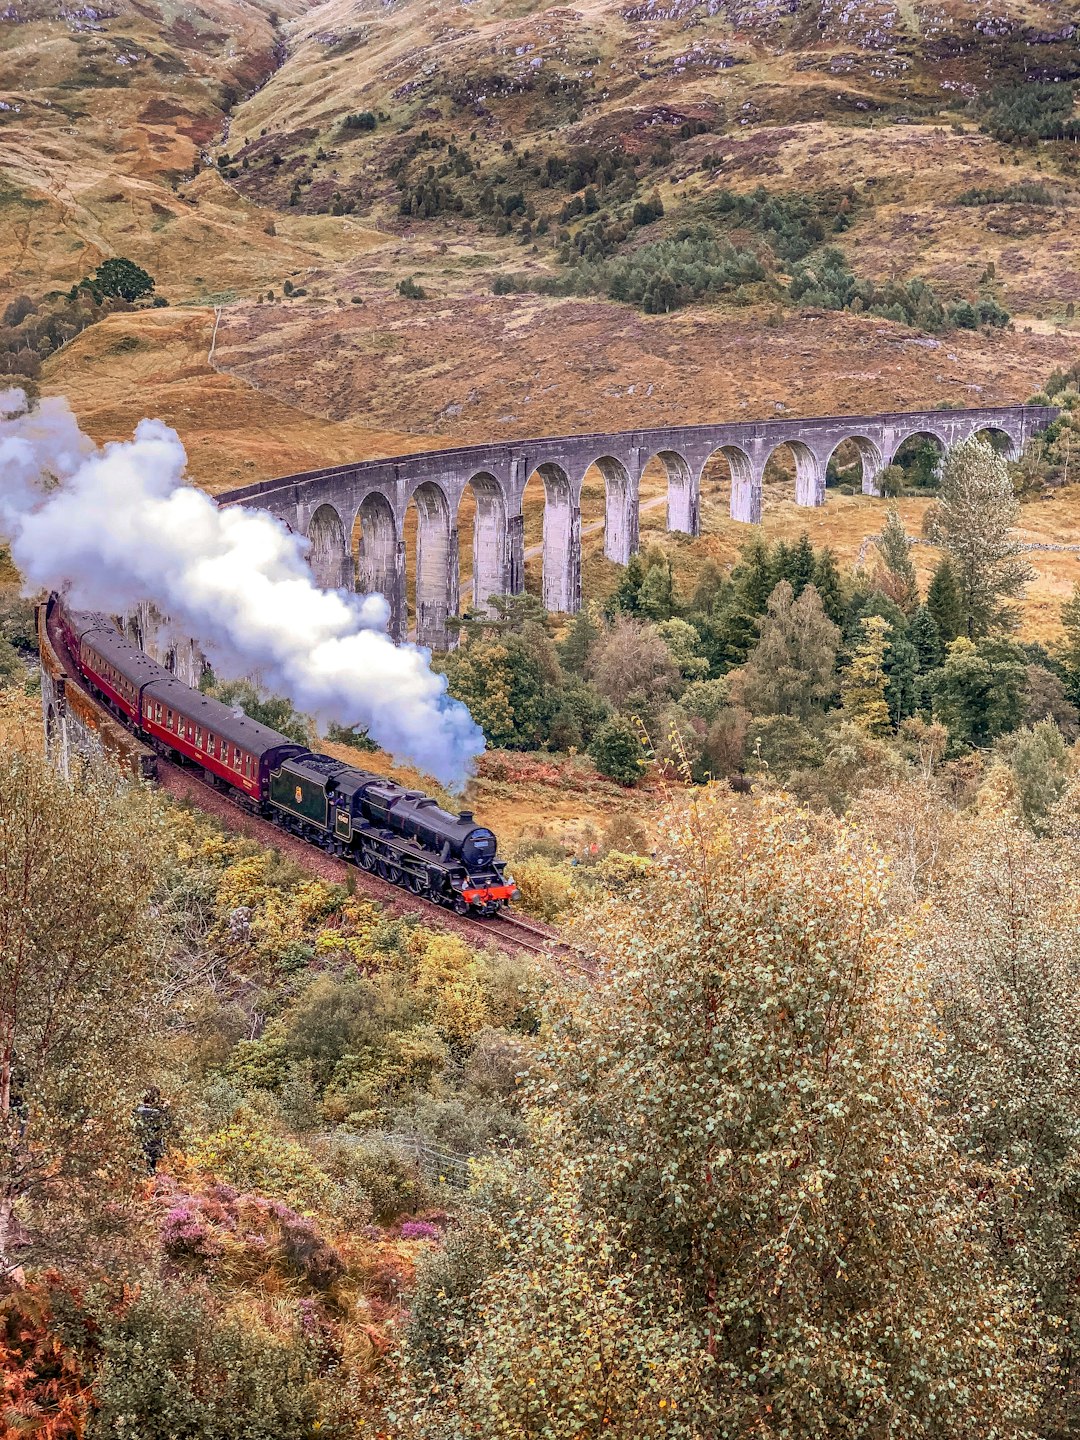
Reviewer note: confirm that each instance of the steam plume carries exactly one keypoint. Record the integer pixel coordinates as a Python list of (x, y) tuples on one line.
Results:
[(122, 527)]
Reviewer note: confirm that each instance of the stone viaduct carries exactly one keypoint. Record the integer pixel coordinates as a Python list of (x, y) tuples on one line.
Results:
[(369, 500)]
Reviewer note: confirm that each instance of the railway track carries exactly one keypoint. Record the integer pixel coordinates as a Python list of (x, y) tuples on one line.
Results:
[(509, 931), (186, 783)]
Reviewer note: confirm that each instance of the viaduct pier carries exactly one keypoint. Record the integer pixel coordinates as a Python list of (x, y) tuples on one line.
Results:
[(364, 505)]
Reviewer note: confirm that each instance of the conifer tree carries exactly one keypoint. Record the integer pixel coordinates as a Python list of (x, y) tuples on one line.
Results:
[(656, 597), (801, 565), (577, 645), (827, 583), (896, 572), (978, 692), (782, 563), (755, 576), (728, 634), (926, 638), (901, 664), (627, 591), (944, 602)]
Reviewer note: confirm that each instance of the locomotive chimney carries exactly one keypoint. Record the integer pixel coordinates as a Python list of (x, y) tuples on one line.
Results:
[(465, 815)]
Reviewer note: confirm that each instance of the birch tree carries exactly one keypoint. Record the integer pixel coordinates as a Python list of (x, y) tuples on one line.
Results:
[(743, 1215), (974, 523), (77, 870)]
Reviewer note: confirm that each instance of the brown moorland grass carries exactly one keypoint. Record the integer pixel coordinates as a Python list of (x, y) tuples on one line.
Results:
[(154, 363)]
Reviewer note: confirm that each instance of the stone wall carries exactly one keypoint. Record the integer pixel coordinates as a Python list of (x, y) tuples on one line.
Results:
[(76, 728)]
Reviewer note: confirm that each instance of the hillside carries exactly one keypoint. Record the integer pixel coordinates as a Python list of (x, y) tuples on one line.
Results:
[(345, 147)]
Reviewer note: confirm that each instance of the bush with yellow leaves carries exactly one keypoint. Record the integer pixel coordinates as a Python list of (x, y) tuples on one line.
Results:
[(246, 1154), (741, 1213), (547, 886)]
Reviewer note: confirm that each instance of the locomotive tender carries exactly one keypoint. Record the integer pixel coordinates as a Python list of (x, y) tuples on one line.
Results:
[(402, 835)]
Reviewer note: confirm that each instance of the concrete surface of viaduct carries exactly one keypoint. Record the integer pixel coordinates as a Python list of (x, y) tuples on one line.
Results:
[(369, 500)]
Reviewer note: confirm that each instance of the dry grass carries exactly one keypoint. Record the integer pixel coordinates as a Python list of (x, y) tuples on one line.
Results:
[(505, 368), (155, 363)]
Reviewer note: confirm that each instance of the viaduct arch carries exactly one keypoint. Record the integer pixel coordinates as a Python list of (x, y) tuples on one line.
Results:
[(354, 515)]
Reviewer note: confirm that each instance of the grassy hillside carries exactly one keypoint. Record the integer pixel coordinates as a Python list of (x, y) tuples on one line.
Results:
[(345, 147)]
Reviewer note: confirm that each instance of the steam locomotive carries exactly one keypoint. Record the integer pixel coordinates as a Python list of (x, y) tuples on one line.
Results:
[(401, 835)]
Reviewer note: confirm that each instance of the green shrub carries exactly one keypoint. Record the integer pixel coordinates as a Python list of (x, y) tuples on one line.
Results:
[(391, 1180), (1024, 192), (547, 887), (781, 745), (794, 224), (659, 277), (245, 1154), (617, 751), (170, 1366), (829, 284)]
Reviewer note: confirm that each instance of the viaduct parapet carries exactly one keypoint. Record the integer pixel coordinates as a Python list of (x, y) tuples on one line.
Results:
[(368, 501)]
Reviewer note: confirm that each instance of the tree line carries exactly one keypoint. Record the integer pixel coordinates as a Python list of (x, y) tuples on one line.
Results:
[(785, 665)]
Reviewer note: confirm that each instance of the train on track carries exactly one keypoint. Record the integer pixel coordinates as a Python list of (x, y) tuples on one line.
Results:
[(402, 835)]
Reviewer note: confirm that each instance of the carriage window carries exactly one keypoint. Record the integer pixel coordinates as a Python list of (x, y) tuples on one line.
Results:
[(198, 737)]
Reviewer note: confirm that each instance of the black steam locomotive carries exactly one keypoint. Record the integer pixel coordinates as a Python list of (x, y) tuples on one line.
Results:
[(401, 835)]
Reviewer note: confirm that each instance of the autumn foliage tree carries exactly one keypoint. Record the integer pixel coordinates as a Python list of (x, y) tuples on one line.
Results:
[(77, 869), (1002, 949), (862, 691), (743, 1216)]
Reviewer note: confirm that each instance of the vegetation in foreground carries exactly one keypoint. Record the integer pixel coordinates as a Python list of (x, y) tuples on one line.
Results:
[(383, 1184)]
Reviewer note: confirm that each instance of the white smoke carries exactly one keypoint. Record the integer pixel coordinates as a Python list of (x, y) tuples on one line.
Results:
[(118, 526)]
